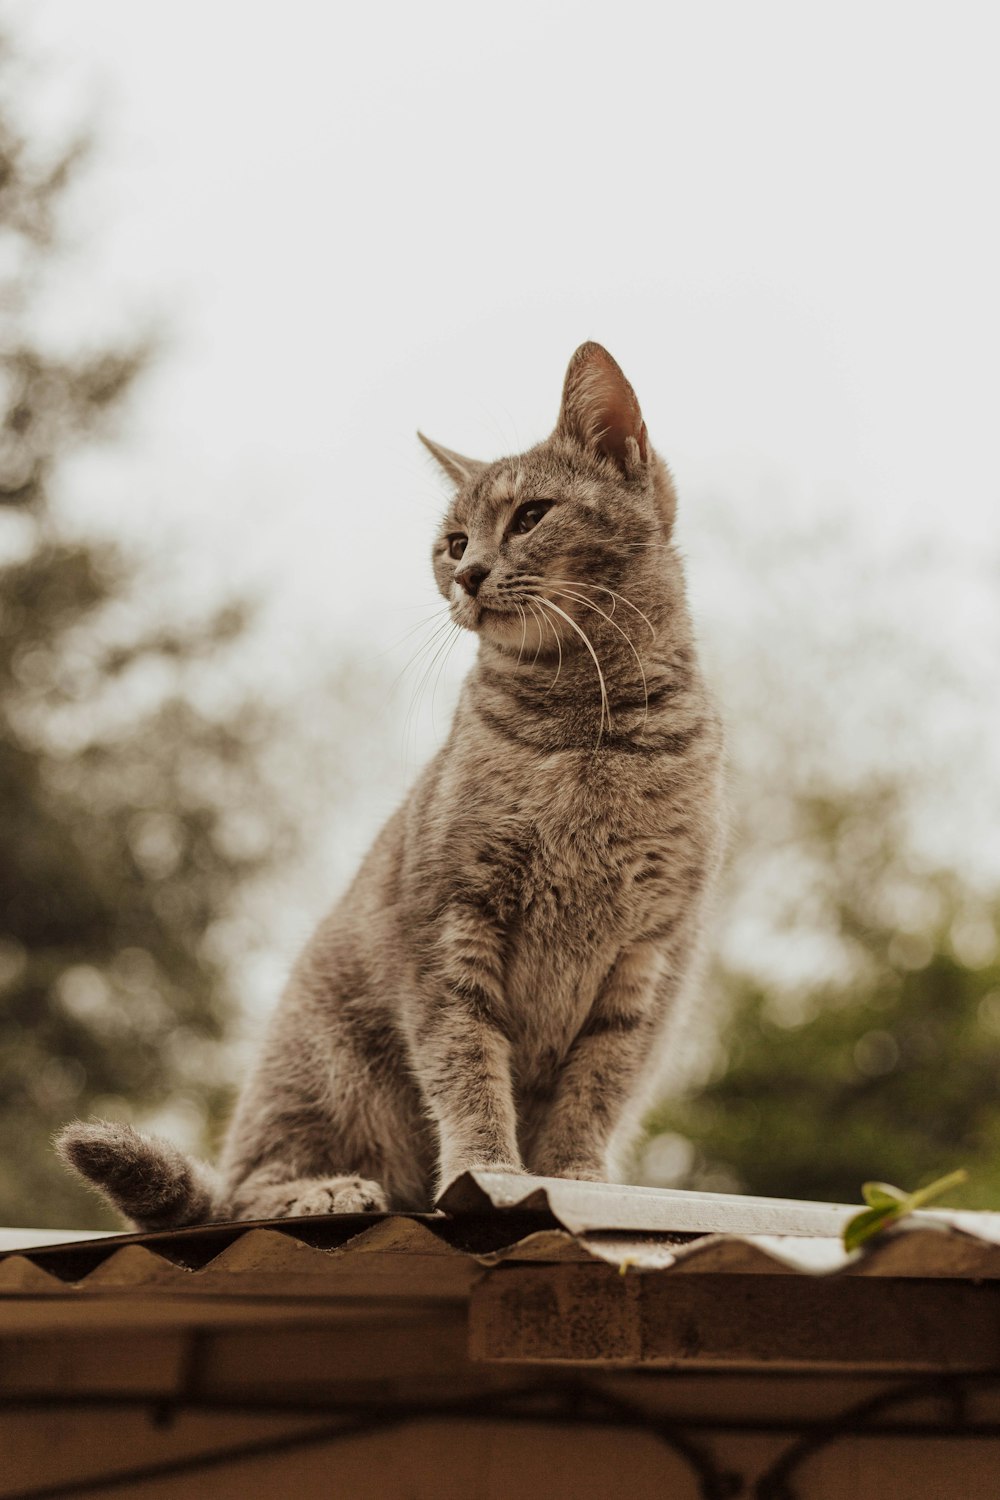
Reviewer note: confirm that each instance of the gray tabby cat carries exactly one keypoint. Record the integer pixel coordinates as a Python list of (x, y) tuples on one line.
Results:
[(495, 988)]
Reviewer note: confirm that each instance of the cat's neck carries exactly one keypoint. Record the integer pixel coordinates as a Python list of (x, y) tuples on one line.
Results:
[(646, 670)]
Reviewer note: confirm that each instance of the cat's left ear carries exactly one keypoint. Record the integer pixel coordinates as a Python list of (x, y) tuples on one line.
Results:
[(458, 468), (600, 409)]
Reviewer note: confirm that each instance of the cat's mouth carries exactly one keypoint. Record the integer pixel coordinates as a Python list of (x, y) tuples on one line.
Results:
[(494, 614), (503, 622), (513, 629), (477, 617), (472, 612), (481, 617)]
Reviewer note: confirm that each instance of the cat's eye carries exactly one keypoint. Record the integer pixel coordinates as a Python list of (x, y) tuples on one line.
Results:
[(528, 515), (457, 545)]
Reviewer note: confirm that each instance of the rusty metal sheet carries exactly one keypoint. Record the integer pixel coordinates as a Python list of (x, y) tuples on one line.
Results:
[(491, 1221), (585, 1207)]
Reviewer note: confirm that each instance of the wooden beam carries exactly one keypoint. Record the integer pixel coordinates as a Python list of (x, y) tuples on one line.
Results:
[(592, 1315)]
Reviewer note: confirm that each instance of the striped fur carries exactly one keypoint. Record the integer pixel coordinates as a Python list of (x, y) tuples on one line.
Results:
[(498, 986)]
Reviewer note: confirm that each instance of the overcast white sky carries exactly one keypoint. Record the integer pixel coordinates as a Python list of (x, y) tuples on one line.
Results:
[(356, 220)]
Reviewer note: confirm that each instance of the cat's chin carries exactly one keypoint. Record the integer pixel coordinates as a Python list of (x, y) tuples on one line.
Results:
[(495, 619), (515, 629), (494, 623), (507, 629), (481, 619)]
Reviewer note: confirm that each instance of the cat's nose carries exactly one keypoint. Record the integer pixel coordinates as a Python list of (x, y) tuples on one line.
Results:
[(470, 577)]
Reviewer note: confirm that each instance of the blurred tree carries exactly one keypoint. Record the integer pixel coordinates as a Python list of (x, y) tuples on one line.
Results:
[(850, 1020), (129, 817), (880, 1057)]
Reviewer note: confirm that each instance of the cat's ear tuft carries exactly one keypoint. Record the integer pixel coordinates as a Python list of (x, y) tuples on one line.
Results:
[(600, 409), (458, 468)]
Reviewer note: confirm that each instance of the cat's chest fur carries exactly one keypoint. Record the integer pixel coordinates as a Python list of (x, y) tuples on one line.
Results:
[(570, 854)]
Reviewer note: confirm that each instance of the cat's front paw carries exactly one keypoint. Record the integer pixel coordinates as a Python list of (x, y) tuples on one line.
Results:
[(579, 1169), (450, 1171), (338, 1195)]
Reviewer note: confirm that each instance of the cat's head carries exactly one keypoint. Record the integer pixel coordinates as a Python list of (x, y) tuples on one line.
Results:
[(530, 539)]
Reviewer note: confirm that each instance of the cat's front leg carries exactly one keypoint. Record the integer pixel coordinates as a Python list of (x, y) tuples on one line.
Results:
[(602, 1070), (460, 1052)]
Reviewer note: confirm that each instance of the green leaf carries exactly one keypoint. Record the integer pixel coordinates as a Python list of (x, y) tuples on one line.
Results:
[(887, 1204), (866, 1224), (882, 1195)]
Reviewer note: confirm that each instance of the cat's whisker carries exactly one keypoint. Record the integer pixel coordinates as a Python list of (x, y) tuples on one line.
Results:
[(548, 603), (420, 625), (541, 632), (555, 636), (424, 646), (437, 660), (449, 648), (589, 604), (635, 546), (603, 588), (438, 642), (524, 629)]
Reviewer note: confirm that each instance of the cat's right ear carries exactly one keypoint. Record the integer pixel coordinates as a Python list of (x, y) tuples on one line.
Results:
[(457, 468), (600, 409)]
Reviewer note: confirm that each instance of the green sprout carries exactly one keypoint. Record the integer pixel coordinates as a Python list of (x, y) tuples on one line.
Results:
[(888, 1204)]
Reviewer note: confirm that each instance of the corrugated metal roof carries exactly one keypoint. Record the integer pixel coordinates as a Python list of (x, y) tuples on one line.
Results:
[(485, 1220)]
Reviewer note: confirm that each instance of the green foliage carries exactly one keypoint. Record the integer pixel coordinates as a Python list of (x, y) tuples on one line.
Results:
[(130, 818), (884, 1059), (888, 1204)]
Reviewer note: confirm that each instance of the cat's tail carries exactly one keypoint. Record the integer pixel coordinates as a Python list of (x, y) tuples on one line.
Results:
[(146, 1178)]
